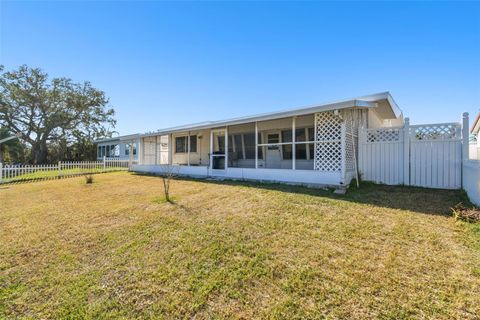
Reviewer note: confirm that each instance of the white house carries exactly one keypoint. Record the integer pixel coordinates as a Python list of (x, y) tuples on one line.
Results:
[(314, 145), (118, 147), (475, 143)]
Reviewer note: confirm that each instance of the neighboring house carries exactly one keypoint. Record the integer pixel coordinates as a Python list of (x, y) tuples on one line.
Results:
[(315, 145), (475, 143), (121, 147)]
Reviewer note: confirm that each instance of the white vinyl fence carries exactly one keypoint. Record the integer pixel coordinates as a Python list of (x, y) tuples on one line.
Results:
[(13, 173), (427, 155)]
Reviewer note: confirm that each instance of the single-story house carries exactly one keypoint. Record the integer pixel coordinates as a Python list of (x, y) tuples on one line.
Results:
[(475, 142), (121, 148), (314, 145)]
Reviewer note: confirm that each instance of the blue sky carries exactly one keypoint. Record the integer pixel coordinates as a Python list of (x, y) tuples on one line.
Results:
[(165, 63)]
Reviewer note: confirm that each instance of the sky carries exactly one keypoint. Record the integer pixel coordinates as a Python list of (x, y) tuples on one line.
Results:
[(171, 63)]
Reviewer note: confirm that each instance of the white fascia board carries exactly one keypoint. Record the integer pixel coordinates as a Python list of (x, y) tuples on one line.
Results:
[(119, 138), (266, 117), (361, 102), (396, 109)]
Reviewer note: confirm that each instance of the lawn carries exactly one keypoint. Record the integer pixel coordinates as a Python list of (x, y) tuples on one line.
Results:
[(233, 250)]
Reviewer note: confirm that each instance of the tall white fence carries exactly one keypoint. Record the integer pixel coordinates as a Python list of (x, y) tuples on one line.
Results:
[(13, 173), (427, 155)]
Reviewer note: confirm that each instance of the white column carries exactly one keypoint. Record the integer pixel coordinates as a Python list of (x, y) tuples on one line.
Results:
[(188, 149), (210, 160), (140, 151), (293, 144), (156, 149), (406, 152), (226, 147), (170, 149), (256, 145)]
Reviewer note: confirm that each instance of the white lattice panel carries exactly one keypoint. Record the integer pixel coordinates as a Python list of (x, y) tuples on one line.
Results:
[(328, 147), (447, 131), (384, 135), (350, 134)]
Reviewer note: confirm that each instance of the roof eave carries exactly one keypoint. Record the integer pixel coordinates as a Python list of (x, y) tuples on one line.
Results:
[(476, 125), (355, 103)]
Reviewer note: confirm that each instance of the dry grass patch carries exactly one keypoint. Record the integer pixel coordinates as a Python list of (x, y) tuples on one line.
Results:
[(233, 250)]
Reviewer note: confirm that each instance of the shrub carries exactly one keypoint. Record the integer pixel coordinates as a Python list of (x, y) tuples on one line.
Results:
[(88, 179)]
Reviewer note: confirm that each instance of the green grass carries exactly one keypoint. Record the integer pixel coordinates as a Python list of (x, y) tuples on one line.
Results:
[(113, 249)]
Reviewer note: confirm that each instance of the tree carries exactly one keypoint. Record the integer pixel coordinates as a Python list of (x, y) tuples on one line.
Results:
[(44, 111), (169, 172), (12, 150)]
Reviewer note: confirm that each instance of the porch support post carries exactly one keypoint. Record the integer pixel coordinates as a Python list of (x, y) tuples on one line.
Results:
[(210, 160), (226, 147), (293, 144), (188, 149), (156, 149), (406, 152), (256, 145), (170, 149), (140, 151)]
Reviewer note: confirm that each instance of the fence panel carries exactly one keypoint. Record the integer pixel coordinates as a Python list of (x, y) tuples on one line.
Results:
[(381, 155), (422, 155), (436, 156), (12, 173)]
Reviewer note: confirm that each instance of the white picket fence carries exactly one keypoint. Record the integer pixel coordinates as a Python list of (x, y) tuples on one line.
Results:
[(13, 173), (427, 155)]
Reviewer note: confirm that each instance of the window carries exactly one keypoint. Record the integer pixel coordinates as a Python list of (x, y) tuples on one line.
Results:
[(286, 148), (311, 135), (193, 143), (128, 147), (301, 151), (99, 152), (181, 144), (300, 135)]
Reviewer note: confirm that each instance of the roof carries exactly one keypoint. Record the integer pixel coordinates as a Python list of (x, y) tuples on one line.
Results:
[(119, 138), (476, 125), (369, 101)]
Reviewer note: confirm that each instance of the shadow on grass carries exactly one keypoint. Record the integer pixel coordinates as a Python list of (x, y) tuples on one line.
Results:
[(415, 199)]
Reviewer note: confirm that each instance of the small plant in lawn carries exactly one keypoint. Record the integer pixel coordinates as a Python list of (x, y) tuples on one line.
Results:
[(168, 173), (89, 179)]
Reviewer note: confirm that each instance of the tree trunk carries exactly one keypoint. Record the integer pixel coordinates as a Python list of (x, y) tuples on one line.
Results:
[(39, 152)]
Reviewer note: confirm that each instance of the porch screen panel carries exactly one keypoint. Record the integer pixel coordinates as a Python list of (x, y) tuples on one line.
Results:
[(328, 142)]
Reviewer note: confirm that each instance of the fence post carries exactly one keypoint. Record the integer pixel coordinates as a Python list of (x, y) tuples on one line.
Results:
[(406, 152), (59, 168), (104, 163), (465, 143), (1, 171), (465, 136)]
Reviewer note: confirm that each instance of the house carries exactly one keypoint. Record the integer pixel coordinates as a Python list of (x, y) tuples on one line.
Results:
[(314, 145), (121, 147), (475, 141)]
